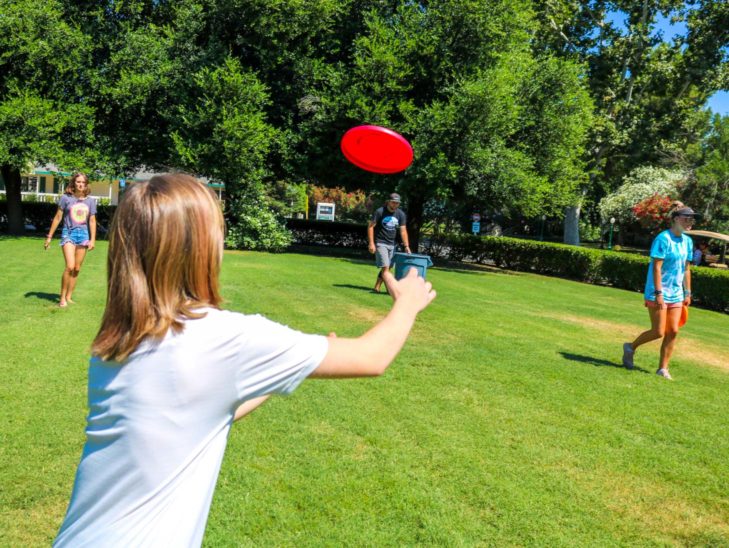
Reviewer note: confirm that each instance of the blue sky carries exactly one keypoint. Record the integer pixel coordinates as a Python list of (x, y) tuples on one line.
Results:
[(719, 102)]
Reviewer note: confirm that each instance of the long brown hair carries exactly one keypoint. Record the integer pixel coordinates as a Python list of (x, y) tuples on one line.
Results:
[(71, 186), (165, 250)]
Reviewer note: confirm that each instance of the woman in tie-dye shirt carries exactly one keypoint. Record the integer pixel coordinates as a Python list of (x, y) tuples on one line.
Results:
[(667, 288), (78, 213)]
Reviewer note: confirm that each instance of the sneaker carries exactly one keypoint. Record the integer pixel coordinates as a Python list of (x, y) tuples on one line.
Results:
[(665, 374), (628, 355)]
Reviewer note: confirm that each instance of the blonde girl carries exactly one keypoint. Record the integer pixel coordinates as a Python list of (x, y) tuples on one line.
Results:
[(667, 288), (170, 371)]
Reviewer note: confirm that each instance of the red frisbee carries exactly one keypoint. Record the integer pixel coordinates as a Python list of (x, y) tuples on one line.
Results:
[(377, 149)]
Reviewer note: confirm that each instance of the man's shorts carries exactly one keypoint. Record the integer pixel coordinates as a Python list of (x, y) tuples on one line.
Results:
[(384, 255), (78, 236)]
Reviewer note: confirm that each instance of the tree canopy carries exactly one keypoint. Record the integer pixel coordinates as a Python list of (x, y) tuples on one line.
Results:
[(521, 107)]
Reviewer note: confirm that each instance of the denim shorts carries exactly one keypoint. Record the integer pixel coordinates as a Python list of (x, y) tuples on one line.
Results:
[(77, 236)]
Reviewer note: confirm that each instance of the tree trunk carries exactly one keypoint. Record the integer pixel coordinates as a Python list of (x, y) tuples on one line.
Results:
[(572, 225), (414, 221), (11, 176)]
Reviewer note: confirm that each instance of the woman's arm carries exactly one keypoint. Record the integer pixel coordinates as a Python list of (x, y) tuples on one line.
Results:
[(657, 281), (54, 225), (92, 231), (687, 285), (371, 354)]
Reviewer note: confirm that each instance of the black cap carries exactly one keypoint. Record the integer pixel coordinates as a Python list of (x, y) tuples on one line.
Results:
[(688, 212), (394, 197)]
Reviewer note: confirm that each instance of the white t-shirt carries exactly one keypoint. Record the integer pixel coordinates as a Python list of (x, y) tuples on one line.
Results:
[(158, 425)]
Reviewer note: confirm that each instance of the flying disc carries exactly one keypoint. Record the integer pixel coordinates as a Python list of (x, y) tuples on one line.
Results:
[(684, 316), (377, 149), (683, 319)]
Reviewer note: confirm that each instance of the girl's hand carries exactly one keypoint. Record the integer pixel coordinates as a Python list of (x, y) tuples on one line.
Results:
[(91, 245), (411, 290), (46, 243), (660, 302), (687, 301)]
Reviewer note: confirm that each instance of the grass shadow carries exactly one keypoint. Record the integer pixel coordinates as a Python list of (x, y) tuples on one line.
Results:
[(361, 288), (597, 362), (474, 268), (53, 297), (351, 286)]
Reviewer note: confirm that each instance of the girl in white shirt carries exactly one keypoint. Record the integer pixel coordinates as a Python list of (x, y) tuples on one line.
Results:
[(170, 372)]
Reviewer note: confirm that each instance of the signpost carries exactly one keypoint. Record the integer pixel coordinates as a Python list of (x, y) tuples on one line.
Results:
[(476, 225), (324, 211)]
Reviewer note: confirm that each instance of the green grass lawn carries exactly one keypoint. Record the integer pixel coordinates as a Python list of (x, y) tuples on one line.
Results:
[(506, 420)]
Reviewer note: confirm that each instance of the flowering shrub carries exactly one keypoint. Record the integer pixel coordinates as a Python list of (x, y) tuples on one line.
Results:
[(651, 212), (641, 183), (349, 206)]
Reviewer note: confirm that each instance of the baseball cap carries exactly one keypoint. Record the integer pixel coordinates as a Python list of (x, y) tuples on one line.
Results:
[(394, 197), (688, 212)]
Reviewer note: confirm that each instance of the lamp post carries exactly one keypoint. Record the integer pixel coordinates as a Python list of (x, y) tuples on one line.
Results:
[(612, 225), (541, 230)]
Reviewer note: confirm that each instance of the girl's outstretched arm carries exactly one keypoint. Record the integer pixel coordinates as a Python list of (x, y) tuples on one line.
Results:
[(249, 406), (371, 354)]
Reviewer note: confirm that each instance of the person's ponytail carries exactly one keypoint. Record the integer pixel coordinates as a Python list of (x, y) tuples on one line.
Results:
[(675, 206)]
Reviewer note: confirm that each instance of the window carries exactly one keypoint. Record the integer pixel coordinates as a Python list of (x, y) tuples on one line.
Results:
[(42, 185), (28, 184), (56, 184)]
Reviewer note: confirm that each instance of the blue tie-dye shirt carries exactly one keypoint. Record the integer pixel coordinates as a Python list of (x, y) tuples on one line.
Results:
[(675, 251)]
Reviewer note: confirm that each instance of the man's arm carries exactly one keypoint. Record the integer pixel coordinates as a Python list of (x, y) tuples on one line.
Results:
[(371, 236), (405, 238)]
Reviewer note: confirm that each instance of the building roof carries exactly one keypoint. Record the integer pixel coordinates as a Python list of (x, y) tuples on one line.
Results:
[(141, 175)]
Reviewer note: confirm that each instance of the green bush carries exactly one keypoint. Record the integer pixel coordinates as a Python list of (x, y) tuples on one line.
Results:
[(710, 287), (251, 225), (623, 270)]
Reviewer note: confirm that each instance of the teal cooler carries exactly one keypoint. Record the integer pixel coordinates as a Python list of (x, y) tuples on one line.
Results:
[(406, 261)]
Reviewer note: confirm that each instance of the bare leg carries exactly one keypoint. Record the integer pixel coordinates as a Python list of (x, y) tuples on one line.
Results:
[(669, 340), (79, 260), (657, 330), (69, 255), (380, 277)]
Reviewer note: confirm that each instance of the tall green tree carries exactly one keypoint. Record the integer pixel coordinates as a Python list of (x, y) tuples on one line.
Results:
[(648, 90), (44, 110), (708, 188), (491, 124)]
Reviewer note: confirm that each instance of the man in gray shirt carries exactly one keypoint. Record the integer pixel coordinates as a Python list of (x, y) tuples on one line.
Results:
[(382, 233)]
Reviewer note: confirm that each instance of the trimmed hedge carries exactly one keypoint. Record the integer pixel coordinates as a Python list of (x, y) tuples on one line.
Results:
[(622, 270), (40, 215), (327, 234), (626, 271)]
